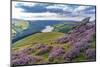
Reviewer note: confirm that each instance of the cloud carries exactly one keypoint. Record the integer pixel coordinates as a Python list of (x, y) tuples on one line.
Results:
[(92, 11), (49, 16), (16, 12), (31, 7), (37, 11), (81, 8), (85, 10), (29, 4), (55, 6), (61, 7)]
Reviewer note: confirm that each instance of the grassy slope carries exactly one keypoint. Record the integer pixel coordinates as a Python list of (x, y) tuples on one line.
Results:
[(62, 27), (45, 38)]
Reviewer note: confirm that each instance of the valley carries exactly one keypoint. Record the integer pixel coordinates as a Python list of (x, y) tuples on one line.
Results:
[(66, 43)]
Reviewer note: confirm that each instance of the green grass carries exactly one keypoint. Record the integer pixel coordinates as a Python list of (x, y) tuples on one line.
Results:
[(45, 38), (64, 28), (79, 58), (93, 42)]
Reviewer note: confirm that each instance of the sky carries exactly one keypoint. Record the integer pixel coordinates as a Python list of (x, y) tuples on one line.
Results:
[(50, 11)]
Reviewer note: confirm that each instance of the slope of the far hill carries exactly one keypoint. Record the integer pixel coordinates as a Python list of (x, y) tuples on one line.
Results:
[(56, 47)]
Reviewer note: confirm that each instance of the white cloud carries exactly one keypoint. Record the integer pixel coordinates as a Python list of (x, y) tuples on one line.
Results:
[(81, 8), (78, 18), (16, 12), (92, 16), (56, 6), (29, 4), (63, 7), (67, 9), (19, 14)]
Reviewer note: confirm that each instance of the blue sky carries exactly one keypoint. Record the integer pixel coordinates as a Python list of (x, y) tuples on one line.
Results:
[(47, 11)]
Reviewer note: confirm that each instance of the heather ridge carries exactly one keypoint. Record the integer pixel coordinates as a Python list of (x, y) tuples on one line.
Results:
[(75, 45)]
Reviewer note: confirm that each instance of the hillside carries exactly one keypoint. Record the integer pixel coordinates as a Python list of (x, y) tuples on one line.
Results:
[(18, 26), (64, 28), (56, 47), (46, 37)]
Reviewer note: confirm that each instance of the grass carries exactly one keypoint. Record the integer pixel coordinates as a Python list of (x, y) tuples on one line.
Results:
[(93, 43), (79, 58), (45, 38), (64, 28)]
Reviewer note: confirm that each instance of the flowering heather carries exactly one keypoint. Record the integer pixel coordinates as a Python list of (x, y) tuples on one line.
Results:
[(24, 60), (82, 45), (39, 46), (55, 52), (72, 53), (44, 50)]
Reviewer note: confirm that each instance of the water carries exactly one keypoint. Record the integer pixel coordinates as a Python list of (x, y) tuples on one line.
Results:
[(47, 29), (35, 27)]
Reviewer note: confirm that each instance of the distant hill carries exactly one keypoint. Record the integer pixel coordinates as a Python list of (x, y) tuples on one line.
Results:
[(18, 26), (64, 28)]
